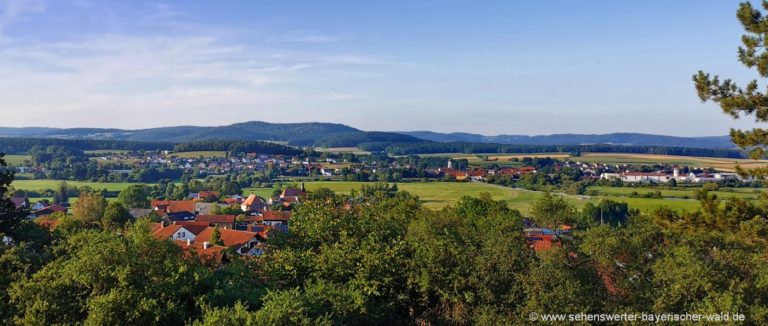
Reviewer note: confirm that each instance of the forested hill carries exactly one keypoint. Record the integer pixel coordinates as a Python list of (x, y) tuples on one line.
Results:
[(298, 134), (625, 139), (339, 135)]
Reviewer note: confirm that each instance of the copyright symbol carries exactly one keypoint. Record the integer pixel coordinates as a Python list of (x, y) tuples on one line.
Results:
[(533, 316)]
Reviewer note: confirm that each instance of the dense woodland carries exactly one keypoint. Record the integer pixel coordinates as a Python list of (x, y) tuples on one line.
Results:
[(378, 257)]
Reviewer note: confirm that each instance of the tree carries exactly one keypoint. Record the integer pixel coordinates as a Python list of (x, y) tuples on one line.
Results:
[(739, 101), (135, 196), (10, 217), (89, 207), (115, 215), (552, 210), (61, 195), (216, 237)]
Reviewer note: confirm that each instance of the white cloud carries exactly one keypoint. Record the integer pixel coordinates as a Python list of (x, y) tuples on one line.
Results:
[(128, 79), (12, 11)]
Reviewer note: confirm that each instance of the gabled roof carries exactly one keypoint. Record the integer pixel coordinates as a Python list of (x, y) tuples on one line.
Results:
[(172, 206), (276, 215), (292, 192), (167, 232), (194, 227), (253, 199), (181, 216), (216, 218), (213, 252), (231, 238)]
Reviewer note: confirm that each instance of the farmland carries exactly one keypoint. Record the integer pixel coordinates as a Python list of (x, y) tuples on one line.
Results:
[(743, 193), (725, 164), (341, 150), (437, 195), (52, 184), (16, 159)]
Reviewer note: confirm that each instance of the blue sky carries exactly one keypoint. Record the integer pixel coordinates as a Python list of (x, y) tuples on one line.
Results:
[(489, 67)]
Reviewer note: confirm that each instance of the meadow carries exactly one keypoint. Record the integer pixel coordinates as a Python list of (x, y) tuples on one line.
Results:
[(52, 184), (743, 193), (341, 150), (724, 164), (437, 195), (16, 159)]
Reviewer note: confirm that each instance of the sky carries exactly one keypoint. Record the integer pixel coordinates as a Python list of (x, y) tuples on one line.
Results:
[(488, 67)]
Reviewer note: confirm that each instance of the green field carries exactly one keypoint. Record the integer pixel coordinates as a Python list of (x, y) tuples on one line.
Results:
[(744, 193), (200, 153), (437, 195), (52, 184), (16, 159), (262, 192)]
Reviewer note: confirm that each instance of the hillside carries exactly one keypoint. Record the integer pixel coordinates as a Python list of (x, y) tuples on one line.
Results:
[(339, 135), (626, 139)]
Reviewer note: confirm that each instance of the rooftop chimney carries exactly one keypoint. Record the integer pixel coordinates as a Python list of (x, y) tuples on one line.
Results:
[(189, 242), (205, 245)]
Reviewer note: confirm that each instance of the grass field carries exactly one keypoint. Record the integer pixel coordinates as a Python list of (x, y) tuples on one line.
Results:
[(725, 164), (436, 195), (16, 159), (200, 153), (262, 192), (52, 184), (744, 193)]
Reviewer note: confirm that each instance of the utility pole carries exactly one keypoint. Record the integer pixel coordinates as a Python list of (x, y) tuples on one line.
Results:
[(601, 216)]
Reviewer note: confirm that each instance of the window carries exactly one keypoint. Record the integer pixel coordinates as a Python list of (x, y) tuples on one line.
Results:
[(181, 235)]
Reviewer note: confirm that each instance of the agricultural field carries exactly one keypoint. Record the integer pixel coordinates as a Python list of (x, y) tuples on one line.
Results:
[(743, 193), (52, 184), (16, 159), (437, 195), (206, 154), (262, 192), (725, 164)]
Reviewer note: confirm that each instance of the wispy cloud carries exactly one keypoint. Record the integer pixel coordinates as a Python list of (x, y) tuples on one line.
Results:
[(123, 78), (15, 10)]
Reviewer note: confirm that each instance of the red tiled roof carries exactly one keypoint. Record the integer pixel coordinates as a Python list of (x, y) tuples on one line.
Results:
[(292, 192), (276, 215), (216, 218), (231, 238), (166, 232), (253, 199), (173, 206), (214, 252), (194, 227)]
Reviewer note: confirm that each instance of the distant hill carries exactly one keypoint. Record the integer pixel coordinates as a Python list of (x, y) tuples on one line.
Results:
[(627, 139), (339, 135), (299, 134)]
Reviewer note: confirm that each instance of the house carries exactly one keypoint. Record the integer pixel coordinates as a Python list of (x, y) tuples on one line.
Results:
[(140, 212), (275, 218), (180, 216), (19, 202), (208, 196), (253, 204), (293, 194), (172, 206), (222, 221), (50, 210), (40, 205), (173, 232), (243, 242), (210, 254), (193, 226)]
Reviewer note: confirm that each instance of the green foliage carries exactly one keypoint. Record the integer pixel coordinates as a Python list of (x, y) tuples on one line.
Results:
[(115, 215), (216, 237), (135, 196), (10, 217), (89, 207), (552, 210)]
